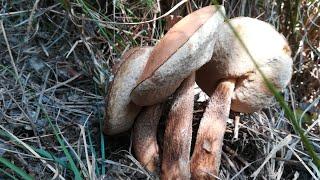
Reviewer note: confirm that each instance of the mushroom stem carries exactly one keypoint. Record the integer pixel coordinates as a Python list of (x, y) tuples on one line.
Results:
[(206, 157), (144, 142), (178, 133)]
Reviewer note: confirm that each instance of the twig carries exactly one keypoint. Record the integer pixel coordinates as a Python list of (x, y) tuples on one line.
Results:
[(10, 54), (236, 127), (35, 5), (60, 84), (282, 143)]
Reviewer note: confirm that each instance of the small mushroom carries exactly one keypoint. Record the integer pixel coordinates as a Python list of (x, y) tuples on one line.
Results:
[(178, 133), (185, 48), (120, 111), (232, 80)]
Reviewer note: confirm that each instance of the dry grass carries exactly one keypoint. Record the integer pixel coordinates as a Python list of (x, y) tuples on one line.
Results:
[(55, 64)]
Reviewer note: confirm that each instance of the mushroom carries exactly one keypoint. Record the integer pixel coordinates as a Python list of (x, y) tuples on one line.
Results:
[(144, 138), (185, 48), (120, 111), (233, 80), (178, 133)]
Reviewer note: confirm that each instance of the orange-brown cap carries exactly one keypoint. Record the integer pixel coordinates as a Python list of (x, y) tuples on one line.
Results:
[(185, 48), (120, 111), (268, 48)]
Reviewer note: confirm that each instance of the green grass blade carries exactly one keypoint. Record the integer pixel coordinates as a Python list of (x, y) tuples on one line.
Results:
[(41, 152), (50, 156), (7, 174), (93, 152), (16, 169), (298, 129), (73, 166), (288, 112), (103, 155)]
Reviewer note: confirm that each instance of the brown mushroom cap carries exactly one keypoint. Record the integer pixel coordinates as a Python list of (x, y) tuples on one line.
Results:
[(268, 48), (120, 111), (185, 48)]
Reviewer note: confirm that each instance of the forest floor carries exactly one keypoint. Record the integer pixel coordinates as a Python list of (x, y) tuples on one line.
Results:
[(55, 66)]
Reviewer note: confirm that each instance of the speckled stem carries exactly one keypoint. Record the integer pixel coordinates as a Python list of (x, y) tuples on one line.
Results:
[(206, 157), (144, 142), (178, 133)]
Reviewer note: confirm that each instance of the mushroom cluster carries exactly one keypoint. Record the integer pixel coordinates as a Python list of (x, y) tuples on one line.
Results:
[(225, 58)]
